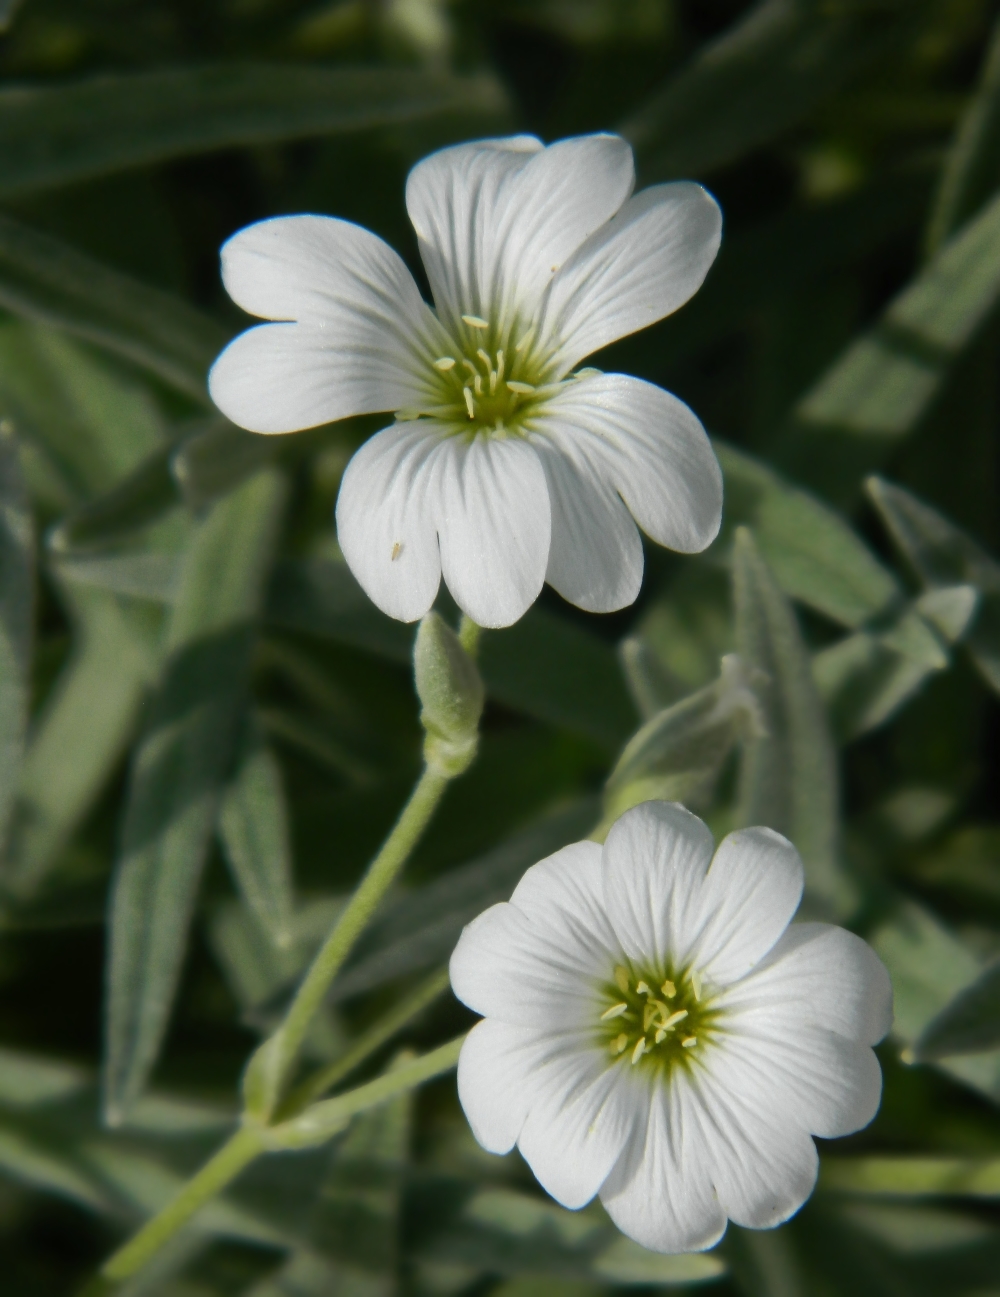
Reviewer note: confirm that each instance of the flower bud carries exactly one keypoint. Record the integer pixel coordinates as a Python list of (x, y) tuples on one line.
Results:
[(451, 693)]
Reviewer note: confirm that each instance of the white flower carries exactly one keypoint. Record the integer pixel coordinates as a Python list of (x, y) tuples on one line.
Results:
[(504, 468), (655, 1032)]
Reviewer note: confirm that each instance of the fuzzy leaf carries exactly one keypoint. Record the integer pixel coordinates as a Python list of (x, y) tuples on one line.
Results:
[(970, 1024), (17, 598)]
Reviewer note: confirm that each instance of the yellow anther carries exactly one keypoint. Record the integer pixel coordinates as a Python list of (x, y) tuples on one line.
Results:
[(468, 402), (499, 366), (615, 1011), (444, 362), (679, 1016), (696, 984), (522, 389), (493, 382), (621, 978), (476, 322), (484, 358), (619, 1043), (637, 1053), (470, 366), (689, 1042), (668, 989), (661, 1035), (648, 1014), (478, 384), (642, 988)]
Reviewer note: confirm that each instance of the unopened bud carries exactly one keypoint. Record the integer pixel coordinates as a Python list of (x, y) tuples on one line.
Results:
[(451, 695)]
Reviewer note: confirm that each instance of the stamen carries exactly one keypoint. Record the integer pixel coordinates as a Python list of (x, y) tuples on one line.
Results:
[(493, 382), (615, 1011), (499, 366), (525, 339), (484, 358), (621, 978), (689, 1042), (619, 1043), (679, 1016), (637, 1053), (476, 322), (648, 1014), (470, 367), (642, 988), (668, 989), (468, 402), (444, 362), (696, 983), (478, 384), (522, 389), (661, 1035)]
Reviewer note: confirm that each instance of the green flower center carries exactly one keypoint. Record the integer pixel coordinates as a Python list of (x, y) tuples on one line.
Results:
[(488, 383), (657, 1017)]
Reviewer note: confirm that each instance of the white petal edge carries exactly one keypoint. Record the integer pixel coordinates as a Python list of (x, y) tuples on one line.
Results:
[(496, 219), (660, 1192), (646, 445), (750, 894), (494, 526), (655, 859), (386, 515), (366, 339), (494, 1081), (644, 264), (595, 558), (563, 897)]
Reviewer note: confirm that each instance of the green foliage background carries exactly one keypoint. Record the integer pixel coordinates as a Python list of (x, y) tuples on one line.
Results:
[(202, 718)]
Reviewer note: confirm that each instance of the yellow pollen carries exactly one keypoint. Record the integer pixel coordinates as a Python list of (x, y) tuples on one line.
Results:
[(642, 988), (522, 389), (444, 362), (621, 978), (679, 1016), (476, 322), (640, 1047), (668, 989), (615, 1011), (468, 402), (619, 1043), (689, 1042)]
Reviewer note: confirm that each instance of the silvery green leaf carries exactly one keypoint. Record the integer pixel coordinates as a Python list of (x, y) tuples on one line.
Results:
[(48, 282), (178, 773), (929, 967), (942, 555), (60, 134), (969, 1024), (134, 502), (83, 730), (17, 603), (879, 390), (651, 684), (788, 779), (912, 1177), (678, 755), (816, 557), (253, 827)]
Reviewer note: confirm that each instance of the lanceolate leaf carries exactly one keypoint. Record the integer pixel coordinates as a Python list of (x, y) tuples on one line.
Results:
[(54, 135), (82, 733), (43, 279), (942, 555), (788, 779), (253, 826), (970, 1024), (756, 81), (17, 580), (879, 390), (178, 774)]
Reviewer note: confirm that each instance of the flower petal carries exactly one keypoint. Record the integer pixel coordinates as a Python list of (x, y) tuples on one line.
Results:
[(563, 897), (763, 1164), (580, 1115), (655, 859), (818, 975), (494, 527), (804, 1076), (386, 515), (749, 896), (495, 1071), (645, 263), (595, 559), (648, 446), (365, 340), (660, 1193), (496, 219), (504, 966)]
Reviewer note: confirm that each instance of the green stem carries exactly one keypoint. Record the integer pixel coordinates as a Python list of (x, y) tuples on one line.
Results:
[(315, 1086), (238, 1151), (376, 882), (468, 635)]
